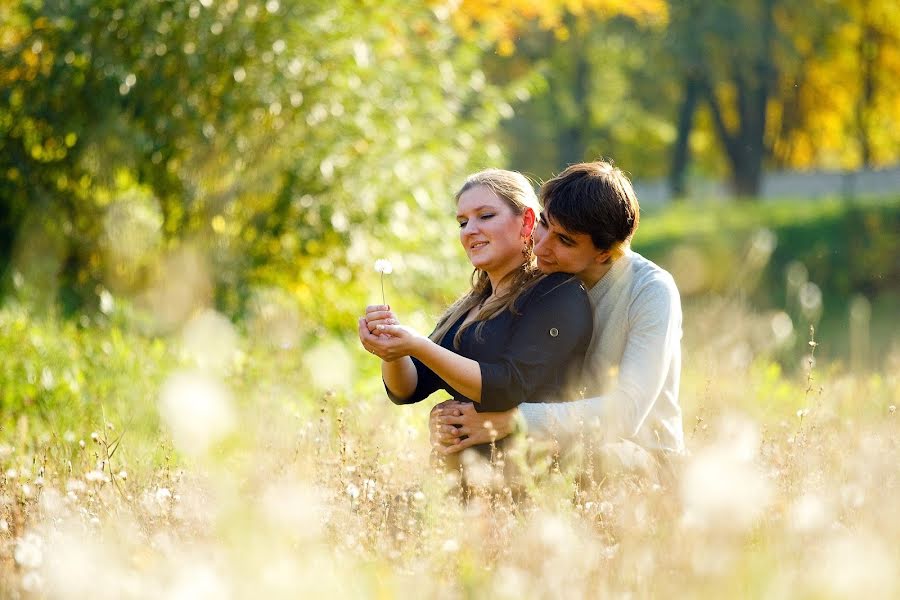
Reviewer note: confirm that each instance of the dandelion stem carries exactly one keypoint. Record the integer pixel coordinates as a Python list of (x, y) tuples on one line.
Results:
[(382, 288)]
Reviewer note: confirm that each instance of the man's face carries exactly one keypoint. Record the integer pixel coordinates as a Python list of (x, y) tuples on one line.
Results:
[(558, 249)]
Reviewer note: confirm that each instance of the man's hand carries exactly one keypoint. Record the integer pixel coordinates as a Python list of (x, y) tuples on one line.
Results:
[(455, 426)]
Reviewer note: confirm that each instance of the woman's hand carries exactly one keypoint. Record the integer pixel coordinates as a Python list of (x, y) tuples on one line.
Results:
[(389, 342), (379, 314)]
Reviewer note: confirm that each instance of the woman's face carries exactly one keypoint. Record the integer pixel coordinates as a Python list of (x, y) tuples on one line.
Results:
[(490, 232)]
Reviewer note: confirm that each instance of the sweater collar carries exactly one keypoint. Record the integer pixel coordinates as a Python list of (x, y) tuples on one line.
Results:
[(609, 279)]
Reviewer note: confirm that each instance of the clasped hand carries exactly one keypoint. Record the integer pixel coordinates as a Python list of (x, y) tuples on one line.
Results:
[(381, 333), (455, 426)]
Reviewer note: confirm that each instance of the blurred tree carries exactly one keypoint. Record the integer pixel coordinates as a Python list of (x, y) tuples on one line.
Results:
[(595, 96), (503, 22), (847, 90), (579, 69), (787, 83), (727, 57), (294, 139)]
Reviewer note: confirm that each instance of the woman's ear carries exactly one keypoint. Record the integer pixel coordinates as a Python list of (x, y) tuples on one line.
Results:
[(528, 219)]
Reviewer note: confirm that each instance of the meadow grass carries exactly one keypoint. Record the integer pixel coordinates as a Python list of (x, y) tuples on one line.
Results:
[(272, 474), (249, 461)]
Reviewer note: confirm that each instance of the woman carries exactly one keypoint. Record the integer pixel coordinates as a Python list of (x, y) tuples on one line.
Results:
[(515, 336)]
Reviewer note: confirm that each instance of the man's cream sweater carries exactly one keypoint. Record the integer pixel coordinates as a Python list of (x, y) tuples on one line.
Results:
[(632, 366)]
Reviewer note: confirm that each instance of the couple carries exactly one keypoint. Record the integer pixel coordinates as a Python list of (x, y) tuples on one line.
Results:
[(566, 333)]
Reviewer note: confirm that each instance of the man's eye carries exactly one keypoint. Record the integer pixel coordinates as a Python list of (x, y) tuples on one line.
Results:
[(462, 224)]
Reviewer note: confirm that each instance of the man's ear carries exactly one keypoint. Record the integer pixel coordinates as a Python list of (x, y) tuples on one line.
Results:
[(603, 256), (528, 220)]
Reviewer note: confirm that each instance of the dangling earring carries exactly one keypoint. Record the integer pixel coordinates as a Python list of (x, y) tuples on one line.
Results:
[(528, 249)]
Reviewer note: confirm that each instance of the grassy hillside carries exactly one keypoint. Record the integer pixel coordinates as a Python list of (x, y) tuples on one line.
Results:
[(815, 260)]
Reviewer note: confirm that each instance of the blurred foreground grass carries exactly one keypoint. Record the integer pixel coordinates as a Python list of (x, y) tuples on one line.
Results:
[(225, 461)]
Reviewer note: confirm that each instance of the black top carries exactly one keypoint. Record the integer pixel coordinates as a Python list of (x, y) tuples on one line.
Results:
[(524, 357)]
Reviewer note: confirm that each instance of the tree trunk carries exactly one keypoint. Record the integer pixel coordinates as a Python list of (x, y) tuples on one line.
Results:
[(746, 148), (681, 152), (573, 136), (867, 52)]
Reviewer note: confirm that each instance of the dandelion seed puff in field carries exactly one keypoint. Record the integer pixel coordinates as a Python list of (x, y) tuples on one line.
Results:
[(723, 487), (210, 339), (808, 513), (295, 507), (854, 566), (330, 366), (29, 552), (197, 581), (198, 411)]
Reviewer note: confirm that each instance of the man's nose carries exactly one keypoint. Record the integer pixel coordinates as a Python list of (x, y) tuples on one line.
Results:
[(539, 246)]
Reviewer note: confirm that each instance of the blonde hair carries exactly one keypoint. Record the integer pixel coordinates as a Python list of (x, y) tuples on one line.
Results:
[(514, 189)]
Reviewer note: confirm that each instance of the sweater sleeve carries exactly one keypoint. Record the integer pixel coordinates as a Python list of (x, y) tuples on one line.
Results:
[(550, 335), (653, 343)]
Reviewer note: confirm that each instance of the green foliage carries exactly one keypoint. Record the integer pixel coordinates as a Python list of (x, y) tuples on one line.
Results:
[(288, 143), (75, 376), (767, 252)]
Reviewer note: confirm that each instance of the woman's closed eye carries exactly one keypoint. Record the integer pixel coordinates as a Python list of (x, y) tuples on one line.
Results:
[(483, 217)]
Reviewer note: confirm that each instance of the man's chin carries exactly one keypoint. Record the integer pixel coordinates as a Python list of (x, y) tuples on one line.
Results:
[(547, 268)]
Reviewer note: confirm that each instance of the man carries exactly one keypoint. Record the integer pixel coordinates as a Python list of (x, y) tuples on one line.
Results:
[(633, 364)]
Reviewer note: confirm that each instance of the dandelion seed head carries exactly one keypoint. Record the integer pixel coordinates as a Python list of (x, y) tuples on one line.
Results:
[(384, 266), (198, 410), (32, 581), (723, 486), (95, 476), (808, 513), (352, 491), (329, 364), (29, 551), (211, 340)]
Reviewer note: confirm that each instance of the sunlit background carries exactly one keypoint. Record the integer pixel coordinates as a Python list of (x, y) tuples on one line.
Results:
[(193, 195)]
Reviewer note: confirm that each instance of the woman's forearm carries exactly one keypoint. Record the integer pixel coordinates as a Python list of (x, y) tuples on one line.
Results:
[(461, 373), (400, 376)]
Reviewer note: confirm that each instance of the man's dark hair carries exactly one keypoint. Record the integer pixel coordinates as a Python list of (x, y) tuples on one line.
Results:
[(595, 198)]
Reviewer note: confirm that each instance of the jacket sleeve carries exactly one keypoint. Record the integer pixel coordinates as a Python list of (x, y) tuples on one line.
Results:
[(550, 335), (427, 382)]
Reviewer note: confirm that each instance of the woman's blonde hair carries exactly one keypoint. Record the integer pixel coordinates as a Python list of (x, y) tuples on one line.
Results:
[(514, 189)]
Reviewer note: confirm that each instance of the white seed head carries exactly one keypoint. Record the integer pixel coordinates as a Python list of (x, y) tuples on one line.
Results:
[(384, 266)]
